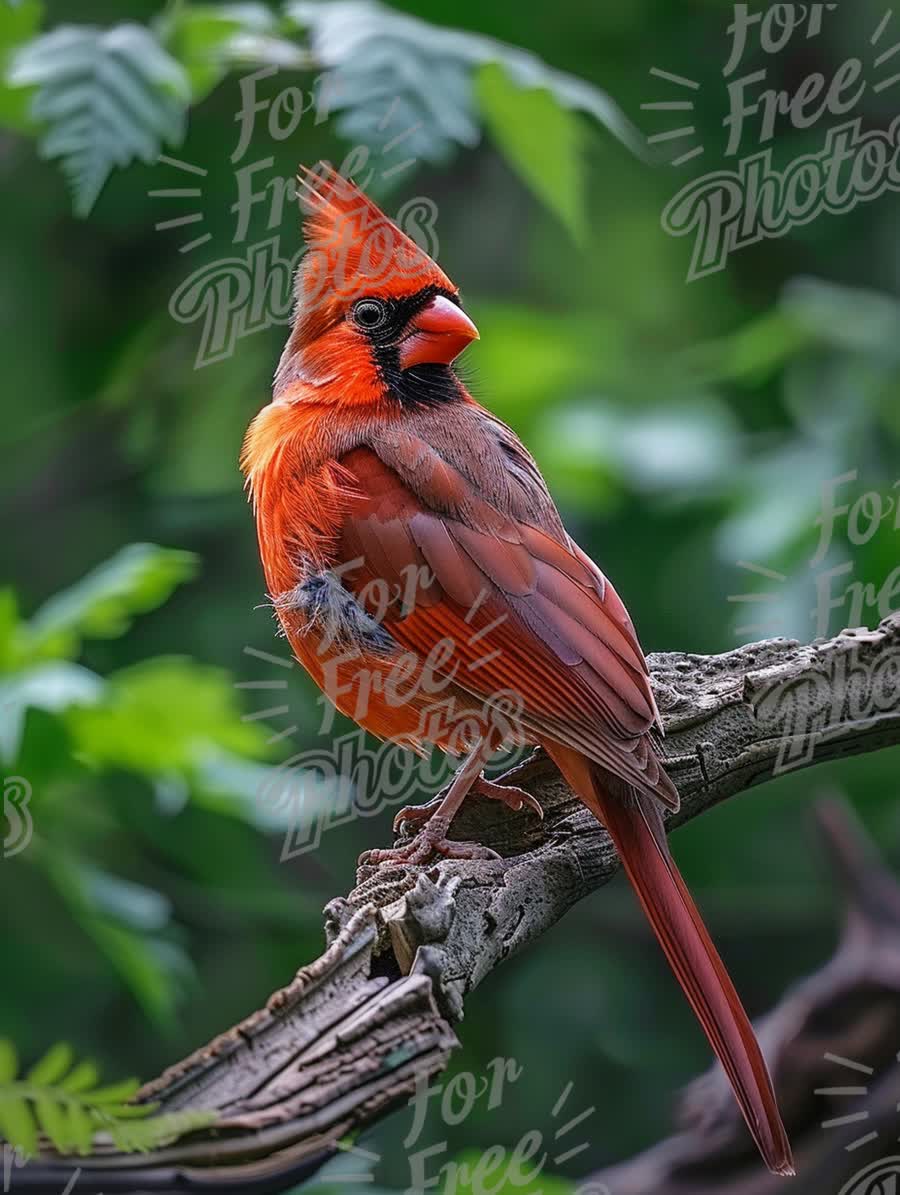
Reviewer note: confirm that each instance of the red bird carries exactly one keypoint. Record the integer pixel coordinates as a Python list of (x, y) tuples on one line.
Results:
[(423, 576)]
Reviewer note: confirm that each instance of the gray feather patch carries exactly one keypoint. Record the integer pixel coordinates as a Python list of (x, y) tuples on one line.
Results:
[(329, 608)]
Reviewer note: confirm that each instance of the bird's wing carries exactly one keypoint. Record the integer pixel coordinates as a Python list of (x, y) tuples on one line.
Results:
[(518, 613)]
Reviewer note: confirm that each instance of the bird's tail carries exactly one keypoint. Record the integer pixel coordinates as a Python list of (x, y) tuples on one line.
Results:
[(636, 827)]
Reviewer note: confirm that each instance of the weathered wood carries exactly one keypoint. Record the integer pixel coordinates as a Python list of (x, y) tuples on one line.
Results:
[(344, 1042)]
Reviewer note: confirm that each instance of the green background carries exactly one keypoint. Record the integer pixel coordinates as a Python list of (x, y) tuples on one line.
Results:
[(683, 428)]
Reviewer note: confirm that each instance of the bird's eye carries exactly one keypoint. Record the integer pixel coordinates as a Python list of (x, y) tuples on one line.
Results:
[(370, 313)]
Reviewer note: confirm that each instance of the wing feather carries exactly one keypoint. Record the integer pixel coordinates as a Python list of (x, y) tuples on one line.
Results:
[(525, 613)]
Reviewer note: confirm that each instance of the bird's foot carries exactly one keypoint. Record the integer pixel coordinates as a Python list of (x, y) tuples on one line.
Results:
[(431, 839), (416, 814), (511, 796)]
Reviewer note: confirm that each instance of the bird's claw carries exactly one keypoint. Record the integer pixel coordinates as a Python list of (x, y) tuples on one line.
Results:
[(415, 813), (511, 796), (431, 839)]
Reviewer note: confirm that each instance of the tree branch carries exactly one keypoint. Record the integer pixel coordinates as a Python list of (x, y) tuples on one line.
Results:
[(347, 1039)]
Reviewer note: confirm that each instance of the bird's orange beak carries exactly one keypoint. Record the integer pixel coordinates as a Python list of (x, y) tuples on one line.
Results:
[(438, 334)]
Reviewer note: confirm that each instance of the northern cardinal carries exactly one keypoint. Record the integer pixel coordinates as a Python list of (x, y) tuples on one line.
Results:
[(423, 576)]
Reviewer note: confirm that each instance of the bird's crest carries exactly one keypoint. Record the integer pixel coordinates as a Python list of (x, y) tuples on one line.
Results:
[(353, 249)]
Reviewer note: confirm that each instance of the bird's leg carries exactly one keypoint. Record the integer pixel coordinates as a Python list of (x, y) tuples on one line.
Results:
[(515, 798), (432, 838)]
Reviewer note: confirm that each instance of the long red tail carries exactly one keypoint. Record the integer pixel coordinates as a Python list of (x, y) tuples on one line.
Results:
[(636, 827)]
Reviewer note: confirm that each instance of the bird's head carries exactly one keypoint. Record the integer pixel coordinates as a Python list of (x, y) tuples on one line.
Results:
[(376, 319)]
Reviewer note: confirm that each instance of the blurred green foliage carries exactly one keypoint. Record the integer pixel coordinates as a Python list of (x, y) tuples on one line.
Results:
[(170, 723), (66, 1102), (687, 430)]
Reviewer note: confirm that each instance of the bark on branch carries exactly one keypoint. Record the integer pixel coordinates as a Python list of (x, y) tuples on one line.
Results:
[(346, 1040)]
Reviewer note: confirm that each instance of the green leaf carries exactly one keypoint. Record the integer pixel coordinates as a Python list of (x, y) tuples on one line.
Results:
[(850, 318), (541, 139), (80, 1127), (138, 1136), (380, 61), (53, 686), (81, 1078), (207, 39), (117, 1093), (11, 631), (126, 1111), (104, 98), (162, 717), (19, 22), (9, 1060), (67, 1107), (55, 1122), (17, 1122), (52, 1067), (103, 604), (749, 355)]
